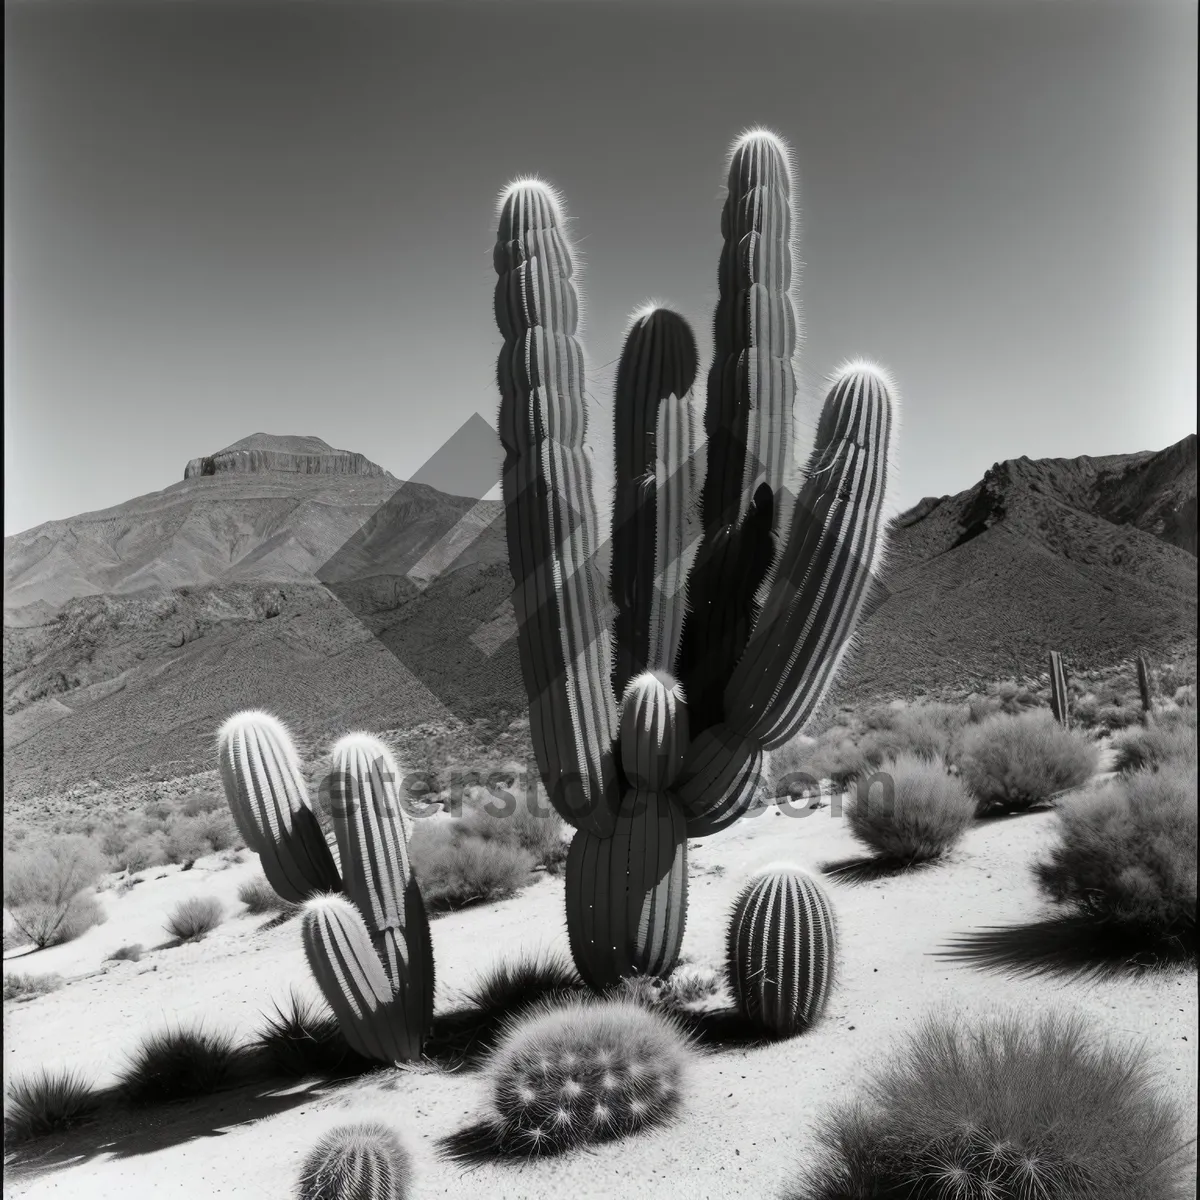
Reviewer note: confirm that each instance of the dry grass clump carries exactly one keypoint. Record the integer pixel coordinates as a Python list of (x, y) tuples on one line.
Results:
[(22, 986), (174, 1064), (260, 897), (193, 918), (45, 888), (1169, 738), (581, 1072), (1012, 763), (1004, 1109), (47, 1102), (302, 1039), (1127, 854), (915, 813), (456, 869), (528, 823), (131, 953)]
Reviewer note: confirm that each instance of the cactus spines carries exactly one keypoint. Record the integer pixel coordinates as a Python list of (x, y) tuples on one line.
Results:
[(826, 565), (780, 950), (347, 969), (1059, 697), (584, 1072), (365, 1161), (653, 731), (552, 527), (260, 771), (655, 524), (627, 893)]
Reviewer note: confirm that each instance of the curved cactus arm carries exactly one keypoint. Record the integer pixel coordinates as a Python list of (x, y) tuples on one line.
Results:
[(562, 610), (826, 566), (751, 383), (720, 780), (653, 731), (260, 771), (345, 965), (658, 472), (780, 946)]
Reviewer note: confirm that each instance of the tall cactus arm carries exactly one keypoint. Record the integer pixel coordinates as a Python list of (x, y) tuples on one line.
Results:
[(658, 471), (562, 609), (826, 566), (266, 793)]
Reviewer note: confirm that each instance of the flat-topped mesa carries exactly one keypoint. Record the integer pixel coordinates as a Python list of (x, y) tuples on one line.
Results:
[(268, 452)]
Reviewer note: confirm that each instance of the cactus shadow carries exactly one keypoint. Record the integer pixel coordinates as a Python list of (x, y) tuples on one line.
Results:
[(1072, 945), (120, 1130)]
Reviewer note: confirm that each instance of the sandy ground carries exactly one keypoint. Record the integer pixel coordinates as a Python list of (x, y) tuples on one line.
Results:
[(748, 1114)]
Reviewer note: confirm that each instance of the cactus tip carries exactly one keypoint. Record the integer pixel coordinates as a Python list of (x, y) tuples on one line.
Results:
[(247, 719), (531, 185)]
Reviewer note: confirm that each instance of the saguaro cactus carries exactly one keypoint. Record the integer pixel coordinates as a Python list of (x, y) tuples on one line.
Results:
[(780, 950), (1144, 688), (370, 950), (1059, 698), (737, 576)]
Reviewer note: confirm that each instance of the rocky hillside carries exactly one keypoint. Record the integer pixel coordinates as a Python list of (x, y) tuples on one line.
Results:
[(344, 599)]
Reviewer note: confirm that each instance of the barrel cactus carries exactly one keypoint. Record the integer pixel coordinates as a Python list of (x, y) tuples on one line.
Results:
[(737, 574), (571, 1074), (357, 1162), (780, 950), (366, 932)]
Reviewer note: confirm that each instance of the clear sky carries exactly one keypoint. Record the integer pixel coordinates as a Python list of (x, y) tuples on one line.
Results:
[(230, 218)]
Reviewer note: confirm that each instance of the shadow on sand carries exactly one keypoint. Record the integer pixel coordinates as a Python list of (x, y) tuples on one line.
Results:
[(1074, 945), (869, 869)]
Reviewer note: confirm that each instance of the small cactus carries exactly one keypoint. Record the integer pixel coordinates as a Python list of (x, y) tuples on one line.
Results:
[(267, 796), (781, 950), (357, 1162), (584, 1072)]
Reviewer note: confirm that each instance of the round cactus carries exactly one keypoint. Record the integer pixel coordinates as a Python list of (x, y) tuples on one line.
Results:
[(357, 1162), (780, 950), (653, 731), (584, 1072)]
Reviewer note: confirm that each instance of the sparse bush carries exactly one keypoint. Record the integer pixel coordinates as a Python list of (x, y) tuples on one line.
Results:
[(1167, 739), (1006, 697), (20, 986), (47, 1102), (924, 816), (131, 953), (44, 886), (1185, 696), (203, 802), (510, 819), (1111, 717), (366, 1161), (148, 850), (304, 1039), (454, 871), (260, 897), (191, 919), (689, 984), (512, 986), (1127, 855), (174, 1064), (584, 1072), (191, 838), (1005, 1110), (1013, 763)]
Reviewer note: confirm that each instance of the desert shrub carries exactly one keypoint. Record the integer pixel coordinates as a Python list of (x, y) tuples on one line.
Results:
[(510, 819), (1006, 697), (21, 986), (690, 983), (1128, 853), (194, 917), (173, 1064), (585, 1071), (147, 850), (1111, 717), (920, 817), (47, 1102), (203, 802), (302, 1039), (455, 870), (1004, 1109), (365, 1160), (190, 838), (1164, 740), (132, 953), (1185, 696), (1085, 712), (158, 813), (44, 888), (260, 897), (513, 985), (115, 839), (1013, 763)]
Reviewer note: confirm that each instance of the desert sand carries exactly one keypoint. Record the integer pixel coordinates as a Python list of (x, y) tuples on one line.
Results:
[(748, 1116)]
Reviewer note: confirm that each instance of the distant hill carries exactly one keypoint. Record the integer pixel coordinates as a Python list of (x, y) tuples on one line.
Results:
[(283, 573)]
